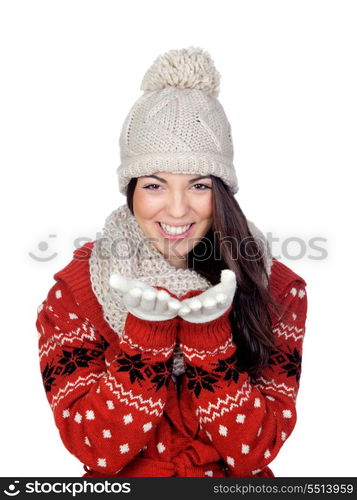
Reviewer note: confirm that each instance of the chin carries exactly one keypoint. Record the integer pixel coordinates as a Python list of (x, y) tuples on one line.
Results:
[(176, 251)]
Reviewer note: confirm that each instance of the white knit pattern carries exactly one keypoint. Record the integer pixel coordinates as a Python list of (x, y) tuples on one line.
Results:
[(124, 249), (178, 125)]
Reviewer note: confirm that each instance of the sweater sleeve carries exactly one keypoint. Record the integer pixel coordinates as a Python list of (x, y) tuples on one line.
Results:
[(106, 398), (246, 423)]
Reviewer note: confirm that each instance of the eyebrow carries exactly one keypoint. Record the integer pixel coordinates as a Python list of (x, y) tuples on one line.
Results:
[(165, 181)]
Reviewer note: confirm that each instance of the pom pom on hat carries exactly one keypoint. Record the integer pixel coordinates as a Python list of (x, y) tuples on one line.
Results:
[(178, 125), (190, 68)]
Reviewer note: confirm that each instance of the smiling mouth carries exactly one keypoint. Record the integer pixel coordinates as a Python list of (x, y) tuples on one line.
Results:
[(174, 231)]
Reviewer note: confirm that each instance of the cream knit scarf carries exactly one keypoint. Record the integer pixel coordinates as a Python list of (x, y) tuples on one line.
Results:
[(124, 249)]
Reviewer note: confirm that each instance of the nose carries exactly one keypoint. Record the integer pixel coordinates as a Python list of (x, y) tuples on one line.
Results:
[(177, 205)]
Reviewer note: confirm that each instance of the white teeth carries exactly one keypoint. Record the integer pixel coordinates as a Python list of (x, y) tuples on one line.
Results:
[(174, 230)]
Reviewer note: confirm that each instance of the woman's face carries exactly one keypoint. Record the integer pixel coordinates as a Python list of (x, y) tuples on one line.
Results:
[(166, 204)]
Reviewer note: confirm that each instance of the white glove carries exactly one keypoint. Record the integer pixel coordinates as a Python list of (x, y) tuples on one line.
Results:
[(212, 303), (144, 301)]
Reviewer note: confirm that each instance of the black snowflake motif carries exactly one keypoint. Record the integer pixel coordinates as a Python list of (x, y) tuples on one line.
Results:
[(229, 367), (200, 379), (290, 362), (133, 365), (77, 357), (103, 345), (293, 366), (163, 373), (47, 377)]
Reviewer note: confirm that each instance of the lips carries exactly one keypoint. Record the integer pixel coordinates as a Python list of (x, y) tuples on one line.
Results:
[(174, 236)]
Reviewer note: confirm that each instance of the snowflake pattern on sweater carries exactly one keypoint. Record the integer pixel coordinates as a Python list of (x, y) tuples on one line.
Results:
[(117, 405), (247, 423)]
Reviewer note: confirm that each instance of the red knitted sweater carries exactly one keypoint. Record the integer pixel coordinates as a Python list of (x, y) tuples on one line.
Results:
[(122, 413)]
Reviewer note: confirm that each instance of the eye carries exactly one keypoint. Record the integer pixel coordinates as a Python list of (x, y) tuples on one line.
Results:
[(204, 186), (150, 185)]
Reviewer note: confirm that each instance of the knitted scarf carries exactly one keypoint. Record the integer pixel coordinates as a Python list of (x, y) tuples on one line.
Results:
[(125, 249)]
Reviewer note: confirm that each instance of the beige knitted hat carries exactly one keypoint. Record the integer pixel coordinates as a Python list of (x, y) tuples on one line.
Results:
[(178, 125)]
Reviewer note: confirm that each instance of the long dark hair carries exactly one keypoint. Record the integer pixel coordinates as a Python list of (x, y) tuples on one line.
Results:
[(251, 317)]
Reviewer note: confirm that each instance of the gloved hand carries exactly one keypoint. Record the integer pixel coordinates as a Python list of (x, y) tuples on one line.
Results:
[(212, 303), (145, 301)]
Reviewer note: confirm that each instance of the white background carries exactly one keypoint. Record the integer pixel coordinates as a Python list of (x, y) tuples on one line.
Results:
[(70, 71)]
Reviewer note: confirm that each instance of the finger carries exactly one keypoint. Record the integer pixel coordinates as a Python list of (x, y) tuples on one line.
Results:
[(208, 305), (184, 310), (221, 299), (148, 300), (228, 279), (133, 297), (196, 305), (192, 307), (173, 305), (162, 299), (119, 283)]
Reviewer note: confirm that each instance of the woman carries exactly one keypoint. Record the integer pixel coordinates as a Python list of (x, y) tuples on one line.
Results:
[(172, 345)]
